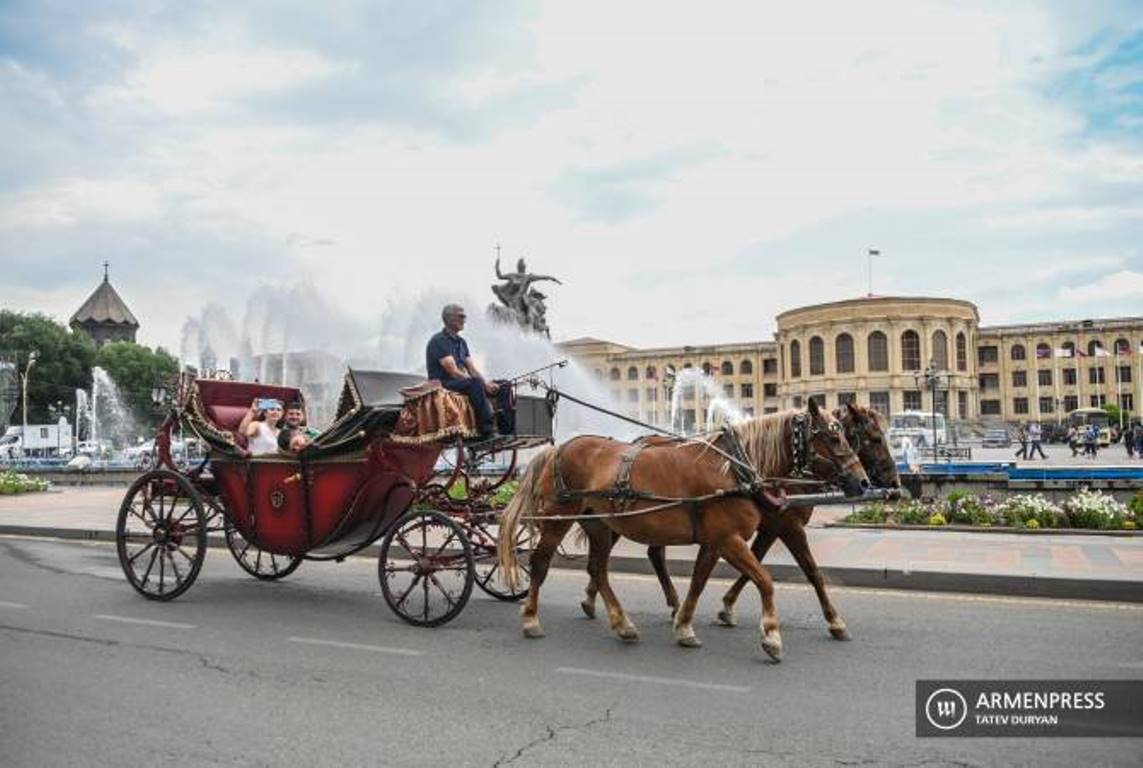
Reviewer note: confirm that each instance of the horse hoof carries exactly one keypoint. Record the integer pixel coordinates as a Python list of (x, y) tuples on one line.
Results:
[(588, 608), (533, 632), (628, 635), (840, 633), (726, 618), (674, 610), (690, 642), (773, 648)]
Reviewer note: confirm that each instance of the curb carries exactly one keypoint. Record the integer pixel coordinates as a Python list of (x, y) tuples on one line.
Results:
[(1113, 590), (986, 529)]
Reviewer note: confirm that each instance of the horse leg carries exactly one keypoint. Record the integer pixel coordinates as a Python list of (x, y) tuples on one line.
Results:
[(658, 557), (590, 591), (760, 547), (551, 534), (684, 629), (736, 552), (794, 537), (600, 542)]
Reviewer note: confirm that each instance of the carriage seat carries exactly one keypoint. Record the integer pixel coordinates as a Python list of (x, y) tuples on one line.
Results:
[(225, 403)]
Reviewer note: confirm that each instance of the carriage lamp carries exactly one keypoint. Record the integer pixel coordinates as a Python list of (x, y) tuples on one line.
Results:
[(158, 395)]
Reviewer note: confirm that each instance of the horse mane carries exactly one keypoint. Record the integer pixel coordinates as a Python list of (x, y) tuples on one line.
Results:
[(763, 440)]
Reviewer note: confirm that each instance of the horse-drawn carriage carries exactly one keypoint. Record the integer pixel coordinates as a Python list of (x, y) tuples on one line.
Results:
[(395, 466)]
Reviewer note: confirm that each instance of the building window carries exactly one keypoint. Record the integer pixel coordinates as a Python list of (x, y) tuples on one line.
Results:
[(961, 352), (990, 381), (1043, 351), (910, 351), (651, 373), (632, 373), (1098, 401), (652, 394), (1071, 402), (688, 391), (1019, 378), (769, 390), (1095, 376), (728, 390), (1044, 376), (940, 350), (706, 369), (1069, 348), (1047, 405), (727, 368), (688, 420), (989, 407), (748, 367), (1125, 374), (769, 409), (797, 401), (632, 395), (986, 355), (1017, 352), (846, 397), (747, 391), (769, 366), (879, 401), (878, 352), (795, 360), (1122, 347), (1020, 405), (819, 399), (962, 404), (817, 356), (1092, 346), (912, 400), (614, 374), (1126, 402), (748, 412), (1070, 378), (843, 352)]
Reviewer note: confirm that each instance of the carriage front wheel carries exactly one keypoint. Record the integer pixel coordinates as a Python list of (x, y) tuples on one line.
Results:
[(161, 535), (426, 568)]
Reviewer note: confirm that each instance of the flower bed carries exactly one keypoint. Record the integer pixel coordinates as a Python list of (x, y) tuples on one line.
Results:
[(1088, 510), (16, 482)]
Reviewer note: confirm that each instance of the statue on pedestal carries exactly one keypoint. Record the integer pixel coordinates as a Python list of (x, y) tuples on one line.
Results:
[(520, 303)]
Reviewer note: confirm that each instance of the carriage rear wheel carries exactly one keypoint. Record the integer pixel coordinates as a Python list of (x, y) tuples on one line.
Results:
[(426, 568), (257, 562), (161, 535), (489, 577)]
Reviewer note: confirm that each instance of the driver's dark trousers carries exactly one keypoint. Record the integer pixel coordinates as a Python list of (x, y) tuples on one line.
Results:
[(474, 389)]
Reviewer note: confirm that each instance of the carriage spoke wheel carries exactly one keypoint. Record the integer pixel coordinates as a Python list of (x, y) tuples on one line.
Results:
[(489, 577), (161, 535), (426, 568), (257, 562)]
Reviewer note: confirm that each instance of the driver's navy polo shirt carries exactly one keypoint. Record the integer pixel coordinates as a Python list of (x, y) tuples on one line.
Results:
[(443, 344)]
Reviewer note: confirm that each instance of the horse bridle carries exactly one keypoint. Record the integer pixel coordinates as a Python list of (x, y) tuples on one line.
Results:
[(802, 434)]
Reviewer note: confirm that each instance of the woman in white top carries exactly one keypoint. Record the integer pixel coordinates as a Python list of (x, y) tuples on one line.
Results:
[(260, 425)]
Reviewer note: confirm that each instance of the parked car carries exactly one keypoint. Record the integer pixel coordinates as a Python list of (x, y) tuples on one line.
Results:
[(996, 438)]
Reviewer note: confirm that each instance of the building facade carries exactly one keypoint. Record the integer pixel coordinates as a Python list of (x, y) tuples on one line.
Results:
[(875, 351)]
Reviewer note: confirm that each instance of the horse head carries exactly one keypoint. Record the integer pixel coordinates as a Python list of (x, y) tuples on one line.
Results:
[(864, 434), (829, 455)]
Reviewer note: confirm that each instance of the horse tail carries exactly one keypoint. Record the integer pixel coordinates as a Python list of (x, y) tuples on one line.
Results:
[(527, 502)]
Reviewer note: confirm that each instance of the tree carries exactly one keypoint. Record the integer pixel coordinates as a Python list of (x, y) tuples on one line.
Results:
[(136, 370), (63, 361)]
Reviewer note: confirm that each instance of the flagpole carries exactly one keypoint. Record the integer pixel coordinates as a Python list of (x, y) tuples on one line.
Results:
[(1056, 385), (1118, 391), (871, 253)]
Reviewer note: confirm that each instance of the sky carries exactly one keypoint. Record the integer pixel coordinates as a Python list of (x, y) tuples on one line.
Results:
[(688, 171)]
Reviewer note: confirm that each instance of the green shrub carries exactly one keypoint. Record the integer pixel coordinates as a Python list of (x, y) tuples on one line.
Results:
[(1018, 510), (937, 519), (1033, 524), (877, 512), (913, 513), (1096, 510), (1135, 505), (17, 482)]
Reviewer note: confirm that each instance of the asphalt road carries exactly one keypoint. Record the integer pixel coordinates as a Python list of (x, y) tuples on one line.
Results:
[(316, 671)]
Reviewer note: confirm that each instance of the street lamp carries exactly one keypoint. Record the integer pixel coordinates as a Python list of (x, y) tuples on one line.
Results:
[(934, 379), (27, 369), (669, 374)]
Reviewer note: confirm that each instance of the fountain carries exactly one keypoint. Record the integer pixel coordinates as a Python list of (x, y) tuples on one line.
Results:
[(101, 416), (702, 386)]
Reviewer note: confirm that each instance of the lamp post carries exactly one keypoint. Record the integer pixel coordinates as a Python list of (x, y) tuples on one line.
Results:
[(669, 374), (933, 378), (27, 369)]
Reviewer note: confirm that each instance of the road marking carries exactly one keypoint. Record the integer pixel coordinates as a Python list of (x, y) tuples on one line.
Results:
[(654, 680), (145, 622), (356, 646), (6, 604)]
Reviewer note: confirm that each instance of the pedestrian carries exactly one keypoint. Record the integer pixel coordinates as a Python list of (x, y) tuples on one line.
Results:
[(1091, 441), (1129, 440), (1022, 437), (1073, 439), (1139, 439), (1035, 436)]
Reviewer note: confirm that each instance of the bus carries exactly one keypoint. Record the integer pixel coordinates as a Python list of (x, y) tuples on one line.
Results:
[(1081, 418), (919, 427)]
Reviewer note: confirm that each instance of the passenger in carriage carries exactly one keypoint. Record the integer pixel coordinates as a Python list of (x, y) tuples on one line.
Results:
[(295, 436), (447, 359), (260, 426)]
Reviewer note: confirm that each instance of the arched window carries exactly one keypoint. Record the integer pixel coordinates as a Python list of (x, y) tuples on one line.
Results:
[(706, 369), (727, 368), (598, 373), (632, 373), (843, 353), (651, 372), (910, 351), (746, 367), (795, 359), (1017, 352), (1122, 347), (878, 351), (961, 352), (1043, 351), (940, 350), (1070, 348), (1092, 346), (613, 374), (817, 356)]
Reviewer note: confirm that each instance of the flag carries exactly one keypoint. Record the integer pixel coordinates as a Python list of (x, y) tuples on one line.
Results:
[(1063, 352), (1081, 353), (1101, 352), (1043, 352)]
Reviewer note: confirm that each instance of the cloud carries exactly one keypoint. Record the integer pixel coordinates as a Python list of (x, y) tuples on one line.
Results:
[(1122, 286)]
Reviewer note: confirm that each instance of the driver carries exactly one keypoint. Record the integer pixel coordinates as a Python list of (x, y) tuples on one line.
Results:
[(447, 359)]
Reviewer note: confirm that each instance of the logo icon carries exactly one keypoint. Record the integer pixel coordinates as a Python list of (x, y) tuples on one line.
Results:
[(946, 709), (277, 499)]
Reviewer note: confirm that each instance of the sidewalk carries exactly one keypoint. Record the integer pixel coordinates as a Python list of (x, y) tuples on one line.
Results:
[(1046, 565)]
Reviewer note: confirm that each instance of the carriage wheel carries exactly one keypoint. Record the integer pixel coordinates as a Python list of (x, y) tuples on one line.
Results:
[(489, 577), (161, 535), (257, 562), (426, 568)]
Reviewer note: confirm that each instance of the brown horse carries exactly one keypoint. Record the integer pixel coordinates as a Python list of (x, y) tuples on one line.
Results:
[(686, 493), (864, 434)]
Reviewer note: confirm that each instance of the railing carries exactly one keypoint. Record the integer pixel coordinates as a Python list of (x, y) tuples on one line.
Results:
[(946, 452)]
